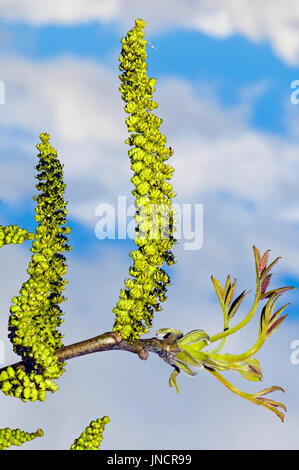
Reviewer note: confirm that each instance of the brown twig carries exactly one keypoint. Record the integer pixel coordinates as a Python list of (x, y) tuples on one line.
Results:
[(111, 341)]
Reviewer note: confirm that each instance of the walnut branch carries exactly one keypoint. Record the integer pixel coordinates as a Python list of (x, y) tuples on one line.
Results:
[(111, 341)]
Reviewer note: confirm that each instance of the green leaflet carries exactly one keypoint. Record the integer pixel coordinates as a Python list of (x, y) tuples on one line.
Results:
[(190, 354), (194, 336), (169, 333), (249, 369)]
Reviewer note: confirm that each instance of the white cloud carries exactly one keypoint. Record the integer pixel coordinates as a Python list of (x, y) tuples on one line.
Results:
[(67, 12), (77, 101), (291, 214), (271, 20), (216, 150), (15, 181)]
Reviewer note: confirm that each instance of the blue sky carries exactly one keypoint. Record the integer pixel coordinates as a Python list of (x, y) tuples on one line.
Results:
[(223, 88), (229, 64)]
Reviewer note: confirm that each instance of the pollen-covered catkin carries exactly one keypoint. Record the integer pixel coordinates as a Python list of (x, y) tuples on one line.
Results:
[(146, 287), (35, 314), (16, 437), (91, 438), (14, 234)]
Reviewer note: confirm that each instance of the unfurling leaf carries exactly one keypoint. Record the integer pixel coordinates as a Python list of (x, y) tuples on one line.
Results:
[(274, 388), (264, 260), (267, 312), (257, 258), (265, 283), (268, 403), (249, 369), (172, 380), (236, 303), (275, 325), (268, 269), (169, 333), (187, 369), (185, 357), (226, 287), (230, 294), (218, 289), (278, 291), (193, 336), (187, 353)]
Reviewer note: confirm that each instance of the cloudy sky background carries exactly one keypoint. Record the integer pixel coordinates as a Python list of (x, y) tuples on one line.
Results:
[(224, 70)]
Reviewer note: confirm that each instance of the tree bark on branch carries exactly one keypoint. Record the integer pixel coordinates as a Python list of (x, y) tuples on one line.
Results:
[(111, 341)]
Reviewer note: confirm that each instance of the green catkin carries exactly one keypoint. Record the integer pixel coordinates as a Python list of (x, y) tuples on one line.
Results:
[(14, 234), (92, 436), (16, 437), (35, 314), (153, 194)]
